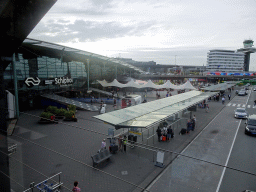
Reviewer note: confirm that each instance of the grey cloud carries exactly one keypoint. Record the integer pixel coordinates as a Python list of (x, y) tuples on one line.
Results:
[(82, 30), (82, 7)]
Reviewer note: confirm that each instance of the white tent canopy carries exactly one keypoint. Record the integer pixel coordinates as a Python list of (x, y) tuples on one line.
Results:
[(169, 85), (187, 85), (132, 84), (149, 84)]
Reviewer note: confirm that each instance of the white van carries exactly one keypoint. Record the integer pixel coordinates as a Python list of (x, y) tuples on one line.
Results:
[(131, 100)]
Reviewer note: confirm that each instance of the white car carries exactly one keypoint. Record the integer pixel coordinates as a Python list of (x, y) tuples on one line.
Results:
[(254, 89), (241, 113)]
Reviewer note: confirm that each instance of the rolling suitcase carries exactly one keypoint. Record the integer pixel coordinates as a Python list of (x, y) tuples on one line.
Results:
[(183, 131)]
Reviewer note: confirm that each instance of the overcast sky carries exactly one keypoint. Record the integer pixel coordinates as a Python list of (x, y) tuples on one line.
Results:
[(147, 30)]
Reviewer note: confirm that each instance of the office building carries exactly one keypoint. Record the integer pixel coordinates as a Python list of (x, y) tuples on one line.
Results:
[(225, 61)]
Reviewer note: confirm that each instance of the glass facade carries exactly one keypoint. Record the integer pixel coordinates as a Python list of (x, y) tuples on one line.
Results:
[(44, 68)]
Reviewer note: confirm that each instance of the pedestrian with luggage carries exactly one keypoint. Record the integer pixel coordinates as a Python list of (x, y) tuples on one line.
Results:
[(159, 133), (189, 126), (165, 133)]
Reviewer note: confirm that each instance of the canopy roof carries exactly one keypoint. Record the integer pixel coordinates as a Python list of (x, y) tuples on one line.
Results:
[(219, 87), (149, 84), (148, 114)]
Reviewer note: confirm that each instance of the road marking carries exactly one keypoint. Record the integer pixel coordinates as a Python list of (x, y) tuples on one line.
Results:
[(238, 105), (249, 106), (243, 105), (224, 170), (229, 104), (234, 105)]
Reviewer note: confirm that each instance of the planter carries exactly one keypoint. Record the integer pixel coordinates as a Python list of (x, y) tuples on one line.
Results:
[(71, 119), (47, 121), (59, 117)]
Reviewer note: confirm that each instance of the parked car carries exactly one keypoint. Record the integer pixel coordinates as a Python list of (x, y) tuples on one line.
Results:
[(242, 92), (241, 113), (250, 127)]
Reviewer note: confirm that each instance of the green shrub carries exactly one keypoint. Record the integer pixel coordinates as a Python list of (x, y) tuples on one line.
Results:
[(69, 114), (52, 109), (61, 112), (72, 107), (46, 115)]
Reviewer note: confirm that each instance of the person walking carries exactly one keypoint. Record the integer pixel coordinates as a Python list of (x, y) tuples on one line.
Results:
[(103, 144), (159, 133), (207, 108), (223, 100), (120, 141), (229, 96), (76, 188), (193, 124), (254, 102), (124, 143), (189, 126), (170, 133)]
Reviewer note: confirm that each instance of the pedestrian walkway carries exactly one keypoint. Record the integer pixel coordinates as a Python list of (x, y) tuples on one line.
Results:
[(240, 105)]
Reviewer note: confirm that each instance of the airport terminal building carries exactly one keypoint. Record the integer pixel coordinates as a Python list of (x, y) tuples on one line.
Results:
[(43, 67)]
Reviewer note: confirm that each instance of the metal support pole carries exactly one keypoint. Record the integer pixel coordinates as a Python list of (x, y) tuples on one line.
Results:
[(15, 87), (88, 72)]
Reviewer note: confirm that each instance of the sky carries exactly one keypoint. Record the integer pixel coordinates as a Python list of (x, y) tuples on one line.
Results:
[(165, 31)]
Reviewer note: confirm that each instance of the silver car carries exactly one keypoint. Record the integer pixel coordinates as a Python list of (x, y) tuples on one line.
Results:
[(241, 113)]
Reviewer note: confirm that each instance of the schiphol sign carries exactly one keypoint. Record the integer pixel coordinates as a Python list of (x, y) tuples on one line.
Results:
[(31, 81), (63, 81)]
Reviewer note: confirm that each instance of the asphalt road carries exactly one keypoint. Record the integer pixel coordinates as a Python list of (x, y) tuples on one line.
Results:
[(243, 155), (222, 142)]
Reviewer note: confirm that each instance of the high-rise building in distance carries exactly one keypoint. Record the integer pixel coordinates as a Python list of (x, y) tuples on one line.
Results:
[(225, 61)]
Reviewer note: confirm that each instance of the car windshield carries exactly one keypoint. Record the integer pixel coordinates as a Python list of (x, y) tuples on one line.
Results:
[(252, 122), (240, 110)]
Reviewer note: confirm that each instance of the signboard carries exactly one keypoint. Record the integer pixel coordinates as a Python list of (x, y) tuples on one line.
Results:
[(136, 133), (159, 159), (62, 81), (31, 81)]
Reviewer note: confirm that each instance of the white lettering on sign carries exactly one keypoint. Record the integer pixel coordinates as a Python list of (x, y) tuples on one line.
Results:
[(63, 81)]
